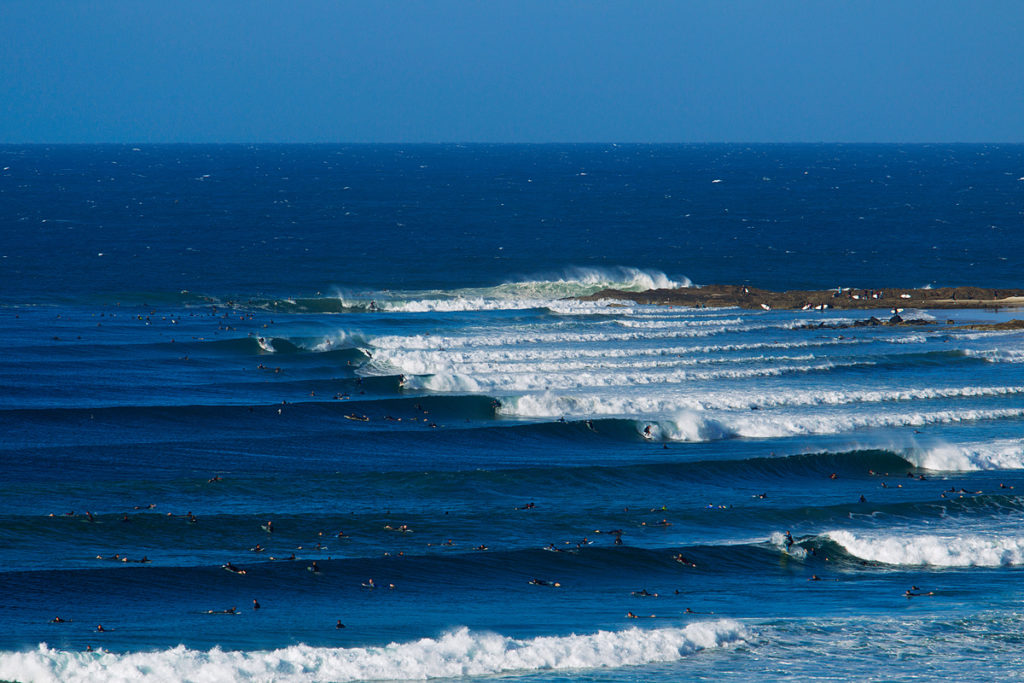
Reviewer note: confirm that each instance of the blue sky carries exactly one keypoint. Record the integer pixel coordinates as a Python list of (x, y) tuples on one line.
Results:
[(511, 71)]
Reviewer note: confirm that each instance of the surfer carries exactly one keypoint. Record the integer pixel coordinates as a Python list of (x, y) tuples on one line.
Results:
[(544, 582), (315, 568), (678, 557), (339, 624), (255, 604), (232, 568), (58, 620)]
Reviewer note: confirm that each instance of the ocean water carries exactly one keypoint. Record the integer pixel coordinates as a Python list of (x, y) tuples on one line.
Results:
[(356, 375)]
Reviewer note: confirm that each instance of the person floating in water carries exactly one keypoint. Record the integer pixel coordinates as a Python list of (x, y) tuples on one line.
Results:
[(255, 604), (678, 557), (339, 624), (544, 582)]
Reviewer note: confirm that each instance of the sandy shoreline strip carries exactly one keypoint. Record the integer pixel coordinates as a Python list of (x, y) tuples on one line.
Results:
[(720, 296)]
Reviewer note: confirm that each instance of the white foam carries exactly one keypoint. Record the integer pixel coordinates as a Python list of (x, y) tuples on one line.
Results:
[(997, 355), (549, 336), (455, 654), (697, 426), (623, 403), (969, 550), (777, 425), (539, 381), (398, 356), (531, 293), (999, 454), (551, 361)]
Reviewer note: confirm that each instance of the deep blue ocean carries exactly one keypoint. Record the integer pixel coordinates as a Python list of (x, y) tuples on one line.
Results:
[(350, 384)]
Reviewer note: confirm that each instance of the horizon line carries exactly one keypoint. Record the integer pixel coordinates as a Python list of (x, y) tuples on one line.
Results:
[(509, 143)]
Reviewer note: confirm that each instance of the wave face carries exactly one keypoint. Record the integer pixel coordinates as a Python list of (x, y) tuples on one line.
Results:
[(456, 654), (251, 392)]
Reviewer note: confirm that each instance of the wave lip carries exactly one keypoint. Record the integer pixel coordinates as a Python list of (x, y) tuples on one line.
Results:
[(457, 653), (933, 550)]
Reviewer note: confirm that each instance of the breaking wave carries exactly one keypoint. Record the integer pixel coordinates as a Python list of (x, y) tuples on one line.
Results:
[(455, 654), (969, 550), (999, 454)]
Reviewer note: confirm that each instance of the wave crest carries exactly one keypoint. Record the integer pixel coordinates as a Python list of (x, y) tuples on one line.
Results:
[(933, 550), (458, 653), (1000, 454)]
